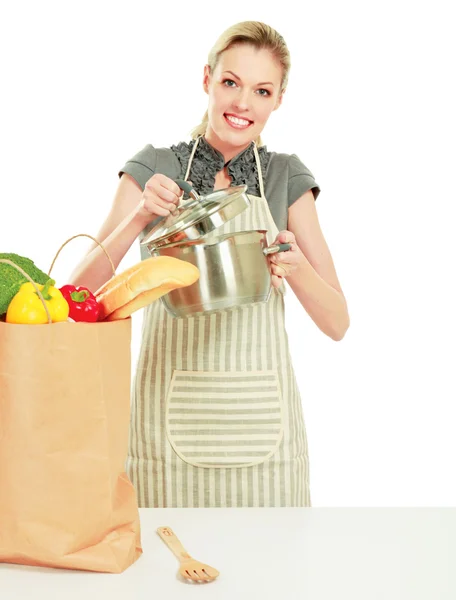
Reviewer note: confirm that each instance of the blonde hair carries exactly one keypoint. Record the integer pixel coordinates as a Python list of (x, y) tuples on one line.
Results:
[(256, 34)]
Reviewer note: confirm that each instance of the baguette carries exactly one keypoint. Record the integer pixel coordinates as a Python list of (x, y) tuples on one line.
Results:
[(142, 284)]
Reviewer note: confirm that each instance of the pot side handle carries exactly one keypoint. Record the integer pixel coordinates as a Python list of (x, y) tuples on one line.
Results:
[(276, 248)]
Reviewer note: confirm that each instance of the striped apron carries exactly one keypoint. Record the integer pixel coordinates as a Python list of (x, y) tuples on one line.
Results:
[(216, 412)]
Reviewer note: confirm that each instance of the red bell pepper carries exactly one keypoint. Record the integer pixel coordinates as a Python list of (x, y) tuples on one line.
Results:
[(83, 304)]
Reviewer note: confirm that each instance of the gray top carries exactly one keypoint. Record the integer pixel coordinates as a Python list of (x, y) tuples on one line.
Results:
[(285, 177)]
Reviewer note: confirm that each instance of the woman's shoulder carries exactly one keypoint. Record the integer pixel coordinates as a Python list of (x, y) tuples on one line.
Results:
[(290, 170), (291, 162), (154, 157), (150, 160)]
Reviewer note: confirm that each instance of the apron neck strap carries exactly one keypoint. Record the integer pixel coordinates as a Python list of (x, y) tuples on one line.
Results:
[(257, 160), (260, 173), (190, 160)]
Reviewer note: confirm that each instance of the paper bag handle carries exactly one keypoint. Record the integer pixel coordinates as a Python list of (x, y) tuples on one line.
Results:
[(18, 268), (82, 235)]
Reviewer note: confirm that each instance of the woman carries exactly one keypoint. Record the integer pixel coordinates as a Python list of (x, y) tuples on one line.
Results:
[(216, 412)]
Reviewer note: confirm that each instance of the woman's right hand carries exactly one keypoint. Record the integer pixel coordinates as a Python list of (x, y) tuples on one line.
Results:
[(160, 197)]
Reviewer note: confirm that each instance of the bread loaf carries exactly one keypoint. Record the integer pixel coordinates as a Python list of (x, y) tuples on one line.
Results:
[(142, 284)]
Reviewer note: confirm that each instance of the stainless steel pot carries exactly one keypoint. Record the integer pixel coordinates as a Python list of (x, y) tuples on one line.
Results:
[(233, 271), (198, 216)]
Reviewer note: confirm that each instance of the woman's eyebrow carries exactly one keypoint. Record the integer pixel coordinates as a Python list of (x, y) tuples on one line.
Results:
[(237, 77)]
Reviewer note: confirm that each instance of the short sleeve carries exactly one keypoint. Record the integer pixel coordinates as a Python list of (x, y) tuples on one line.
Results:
[(300, 180), (142, 166), (149, 161)]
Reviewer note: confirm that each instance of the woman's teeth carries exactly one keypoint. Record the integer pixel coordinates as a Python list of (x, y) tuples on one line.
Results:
[(236, 122)]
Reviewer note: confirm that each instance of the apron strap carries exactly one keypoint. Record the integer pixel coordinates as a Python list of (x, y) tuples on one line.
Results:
[(260, 173), (190, 160), (257, 160)]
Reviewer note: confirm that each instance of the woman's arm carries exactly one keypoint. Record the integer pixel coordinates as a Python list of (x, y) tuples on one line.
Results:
[(130, 212), (310, 271)]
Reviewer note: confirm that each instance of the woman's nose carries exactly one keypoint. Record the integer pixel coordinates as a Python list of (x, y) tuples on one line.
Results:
[(241, 101)]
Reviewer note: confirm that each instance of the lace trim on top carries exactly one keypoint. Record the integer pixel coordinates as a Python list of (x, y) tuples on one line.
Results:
[(208, 161)]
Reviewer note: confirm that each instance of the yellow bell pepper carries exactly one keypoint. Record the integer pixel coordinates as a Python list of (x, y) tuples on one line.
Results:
[(27, 308)]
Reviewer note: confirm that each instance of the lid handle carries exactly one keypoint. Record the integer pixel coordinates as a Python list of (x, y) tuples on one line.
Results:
[(187, 187), (184, 185)]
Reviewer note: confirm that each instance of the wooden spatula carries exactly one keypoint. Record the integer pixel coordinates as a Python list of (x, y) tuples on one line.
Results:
[(190, 569)]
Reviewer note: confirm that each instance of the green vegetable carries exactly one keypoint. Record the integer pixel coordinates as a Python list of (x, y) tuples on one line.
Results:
[(11, 280)]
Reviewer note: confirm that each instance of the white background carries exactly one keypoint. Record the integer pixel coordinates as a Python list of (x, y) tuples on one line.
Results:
[(317, 554), (369, 109)]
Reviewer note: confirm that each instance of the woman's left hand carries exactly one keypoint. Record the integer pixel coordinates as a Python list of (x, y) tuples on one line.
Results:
[(282, 264)]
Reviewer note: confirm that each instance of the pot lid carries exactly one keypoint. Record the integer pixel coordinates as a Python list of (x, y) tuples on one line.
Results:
[(191, 212)]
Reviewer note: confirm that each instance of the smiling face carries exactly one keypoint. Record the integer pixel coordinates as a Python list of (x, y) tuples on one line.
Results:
[(243, 90)]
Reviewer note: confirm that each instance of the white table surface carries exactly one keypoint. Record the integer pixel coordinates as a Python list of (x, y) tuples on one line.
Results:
[(280, 553)]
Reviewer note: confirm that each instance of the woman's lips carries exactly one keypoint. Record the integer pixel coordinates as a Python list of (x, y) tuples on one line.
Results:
[(237, 122)]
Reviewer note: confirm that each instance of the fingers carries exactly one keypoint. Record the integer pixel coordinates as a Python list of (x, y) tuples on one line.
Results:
[(285, 237), (164, 188), (287, 257), (161, 196), (153, 204), (160, 211), (165, 194), (276, 281), (281, 270), (162, 180), (284, 263)]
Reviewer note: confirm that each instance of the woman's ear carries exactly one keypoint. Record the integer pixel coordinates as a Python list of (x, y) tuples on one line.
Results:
[(279, 100), (206, 77)]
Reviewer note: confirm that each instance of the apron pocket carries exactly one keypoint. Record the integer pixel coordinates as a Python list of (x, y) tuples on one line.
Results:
[(224, 419)]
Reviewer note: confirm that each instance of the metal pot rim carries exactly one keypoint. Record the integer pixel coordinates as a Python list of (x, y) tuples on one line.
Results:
[(211, 242)]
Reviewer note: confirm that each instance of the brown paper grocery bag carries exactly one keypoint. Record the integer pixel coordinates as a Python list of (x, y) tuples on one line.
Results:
[(65, 499)]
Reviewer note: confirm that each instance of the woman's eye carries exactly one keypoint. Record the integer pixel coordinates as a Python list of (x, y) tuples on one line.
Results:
[(264, 92), (229, 82)]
